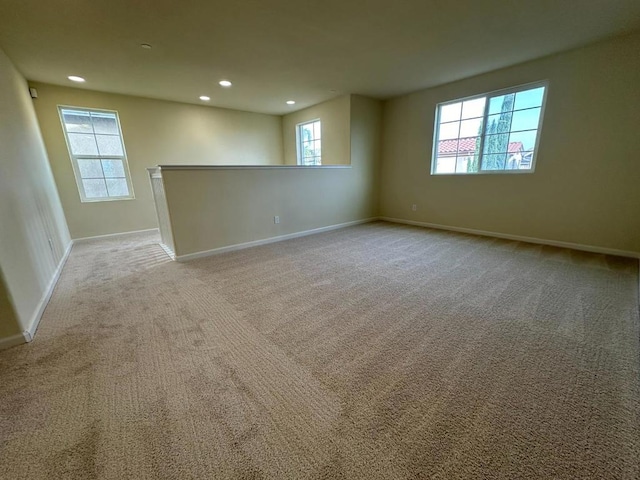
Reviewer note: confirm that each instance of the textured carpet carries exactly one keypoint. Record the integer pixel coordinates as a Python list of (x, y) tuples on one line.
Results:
[(378, 351)]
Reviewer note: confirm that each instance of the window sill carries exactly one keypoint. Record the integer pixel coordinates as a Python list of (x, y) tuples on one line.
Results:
[(100, 200)]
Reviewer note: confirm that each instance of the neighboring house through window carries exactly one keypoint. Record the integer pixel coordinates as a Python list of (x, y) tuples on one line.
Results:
[(94, 139), (309, 143), (490, 133)]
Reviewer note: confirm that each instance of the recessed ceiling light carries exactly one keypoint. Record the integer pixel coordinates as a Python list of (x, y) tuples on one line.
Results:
[(146, 46), (225, 83), (291, 102), (204, 98), (74, 78)]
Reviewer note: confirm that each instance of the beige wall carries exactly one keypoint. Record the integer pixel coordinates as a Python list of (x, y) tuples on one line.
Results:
[(334, 117), (366, 147), (9, 324), (586, 187), (33, 231), (215, 208), (155, 132)]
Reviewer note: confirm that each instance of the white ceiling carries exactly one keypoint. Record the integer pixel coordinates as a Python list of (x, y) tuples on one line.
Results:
[(276, 50)]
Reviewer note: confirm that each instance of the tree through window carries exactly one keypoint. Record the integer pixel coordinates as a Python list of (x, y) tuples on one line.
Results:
[(489, 133)]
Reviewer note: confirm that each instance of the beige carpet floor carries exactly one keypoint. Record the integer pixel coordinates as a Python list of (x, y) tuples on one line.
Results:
[(378, 351)]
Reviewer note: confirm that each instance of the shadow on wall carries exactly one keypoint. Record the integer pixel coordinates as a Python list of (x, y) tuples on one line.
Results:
[(8, 320)]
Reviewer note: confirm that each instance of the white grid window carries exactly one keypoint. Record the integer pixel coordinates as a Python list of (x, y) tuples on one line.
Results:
[(94, 139), (309, 143), (491, 133)]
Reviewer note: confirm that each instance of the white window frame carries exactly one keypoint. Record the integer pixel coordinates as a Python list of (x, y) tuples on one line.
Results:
[(504, 91), (74, 158), (299, 126)]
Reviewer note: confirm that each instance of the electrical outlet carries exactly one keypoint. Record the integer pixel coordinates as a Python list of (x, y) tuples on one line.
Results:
[(414, 207), (276, 219)]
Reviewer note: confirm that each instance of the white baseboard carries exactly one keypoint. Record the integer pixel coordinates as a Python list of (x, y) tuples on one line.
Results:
[(30, 332), (520, 238), (98, 237), (265, 241), (12, 341)]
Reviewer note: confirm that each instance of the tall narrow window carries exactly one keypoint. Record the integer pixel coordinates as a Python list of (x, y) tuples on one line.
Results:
[(309, 143), (490, 133), (94, 139)]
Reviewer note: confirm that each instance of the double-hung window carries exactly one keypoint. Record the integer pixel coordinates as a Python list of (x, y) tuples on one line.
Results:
[(94, 139), (491, 133), (309, 143)]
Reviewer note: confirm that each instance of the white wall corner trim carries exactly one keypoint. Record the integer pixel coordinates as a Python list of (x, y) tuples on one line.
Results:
[(168, 251), (30, 332), (265, 241), (520, 238), (97, 237)]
